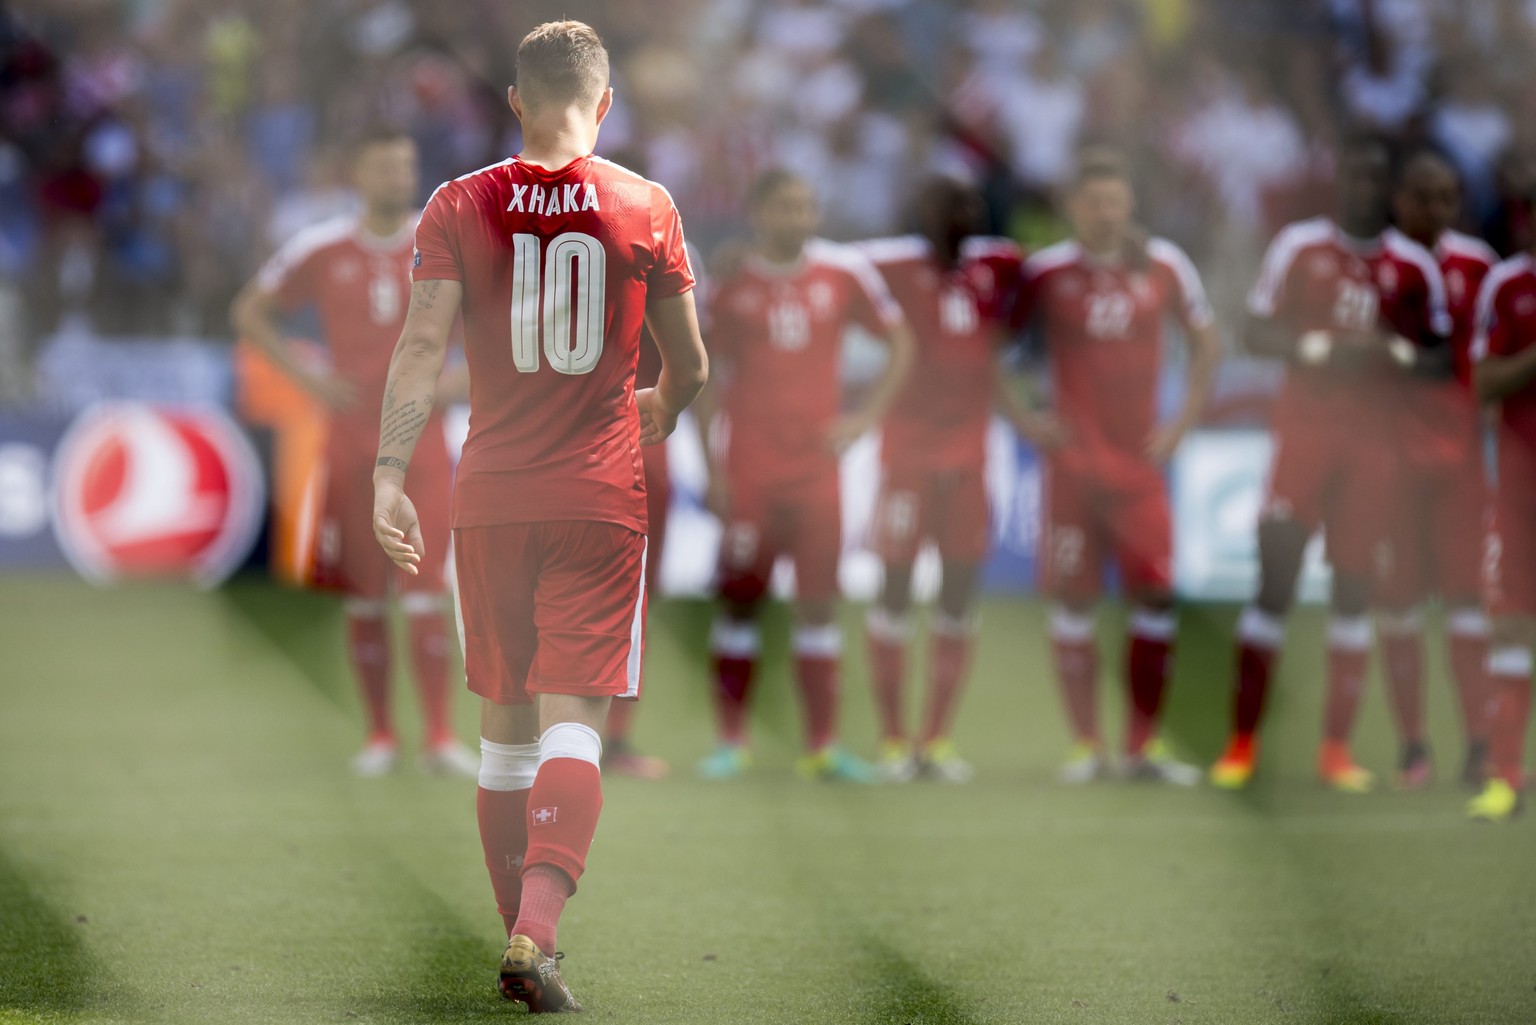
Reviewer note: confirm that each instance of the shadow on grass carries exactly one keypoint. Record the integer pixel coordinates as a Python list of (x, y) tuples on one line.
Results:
[(909, 996), (304, 626), (44, 966)]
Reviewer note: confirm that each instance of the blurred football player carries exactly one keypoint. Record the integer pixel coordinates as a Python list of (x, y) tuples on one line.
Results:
[(1438, 525), (1504, 371), (777, 323), (1099, 301), (355, 273), (1352, 306), (556, 258), (957, 290)]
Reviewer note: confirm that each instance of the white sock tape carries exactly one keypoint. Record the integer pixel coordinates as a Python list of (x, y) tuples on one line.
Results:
[(571, 740), (819, 641), (1071, 627), (507, 766), (734, 639), (1154, 624), (1260, 629), (1350, 633)]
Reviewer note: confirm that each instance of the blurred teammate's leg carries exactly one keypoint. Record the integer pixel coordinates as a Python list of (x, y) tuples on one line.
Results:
[(888, 628), (1071, 558), (1510, 593)]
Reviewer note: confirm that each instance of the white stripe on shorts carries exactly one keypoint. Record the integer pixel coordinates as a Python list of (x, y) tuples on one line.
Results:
[(637, 630)]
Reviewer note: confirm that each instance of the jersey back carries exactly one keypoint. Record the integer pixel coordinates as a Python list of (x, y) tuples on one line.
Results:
[(557, 267), (959, 317), (780, 331)]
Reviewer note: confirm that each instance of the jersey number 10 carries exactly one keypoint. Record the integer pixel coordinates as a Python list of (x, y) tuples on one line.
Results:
[(574, 275)]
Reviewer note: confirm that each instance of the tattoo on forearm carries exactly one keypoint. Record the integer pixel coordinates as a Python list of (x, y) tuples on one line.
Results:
[(397, 463), (404, 422), (424, 294)]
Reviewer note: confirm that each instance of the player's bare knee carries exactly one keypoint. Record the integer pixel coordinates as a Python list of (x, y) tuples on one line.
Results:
[(1157, 601), (508, 724), (1512, 632), (582, 709), (1351, 595), (957, 593), (817, 612), (896, 589)]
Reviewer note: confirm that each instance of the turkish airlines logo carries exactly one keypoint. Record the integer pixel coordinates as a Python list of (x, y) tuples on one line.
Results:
[(147, 492)]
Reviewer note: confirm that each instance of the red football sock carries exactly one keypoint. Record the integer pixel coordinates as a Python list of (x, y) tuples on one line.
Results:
[(734, 646), (429, 661), (620, 715), (1149, 664), (563, 809), (1075, 650), (503, 816), (1403, 651), (816, 656), (368, 649), (1510, 679), (545, 891), (1468, 642), (1259, 636), (886, 637), (950, 642), (1349, 653)]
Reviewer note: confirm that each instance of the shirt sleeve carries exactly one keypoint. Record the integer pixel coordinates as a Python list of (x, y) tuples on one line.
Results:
[(1194, 308), (1269, 297), (1487, 336), (437, 240), (870, 303), (290, 275), (672, 273)]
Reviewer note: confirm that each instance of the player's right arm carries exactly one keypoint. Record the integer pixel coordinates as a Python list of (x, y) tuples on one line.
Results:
[(674, 324), (256, 317), (409, 396)]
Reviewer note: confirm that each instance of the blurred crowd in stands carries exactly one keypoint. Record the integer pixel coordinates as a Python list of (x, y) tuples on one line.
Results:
[(153, 151)]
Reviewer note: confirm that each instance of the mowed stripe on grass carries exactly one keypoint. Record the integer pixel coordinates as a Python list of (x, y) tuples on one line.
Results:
[(175, 767)]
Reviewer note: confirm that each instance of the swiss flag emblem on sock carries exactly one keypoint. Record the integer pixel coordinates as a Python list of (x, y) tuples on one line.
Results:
[(545, 816)]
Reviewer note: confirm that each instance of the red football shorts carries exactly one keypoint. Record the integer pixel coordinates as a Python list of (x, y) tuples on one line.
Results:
[(803, 520), (947, 506), (1437, 534), (551, 608), (1345, 484), (348, 557), (1089, 518)]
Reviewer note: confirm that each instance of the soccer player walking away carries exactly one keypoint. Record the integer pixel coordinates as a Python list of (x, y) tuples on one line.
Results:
[(1099, 301), (1504, 355), (776, 330), (355, 272), (1352, 306), (1438, 518), (555, 257), (957, 291)]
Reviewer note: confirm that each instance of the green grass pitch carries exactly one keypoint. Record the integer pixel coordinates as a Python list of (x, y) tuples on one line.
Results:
[(180, 842)]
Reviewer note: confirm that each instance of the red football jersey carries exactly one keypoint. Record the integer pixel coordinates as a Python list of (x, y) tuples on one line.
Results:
[(360, 286), (1506, 324), (1464, 263), (1437, 422), (557, 267), (1314, 277), (781, 330), (959, 317), (1103, 328)]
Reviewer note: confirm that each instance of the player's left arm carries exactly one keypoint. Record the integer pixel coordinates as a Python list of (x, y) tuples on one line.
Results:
[(1203, 341), (901, 353), (409, 396), (872, 307)]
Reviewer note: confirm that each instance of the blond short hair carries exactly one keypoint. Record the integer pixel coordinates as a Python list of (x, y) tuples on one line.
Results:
[(562, 62)]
